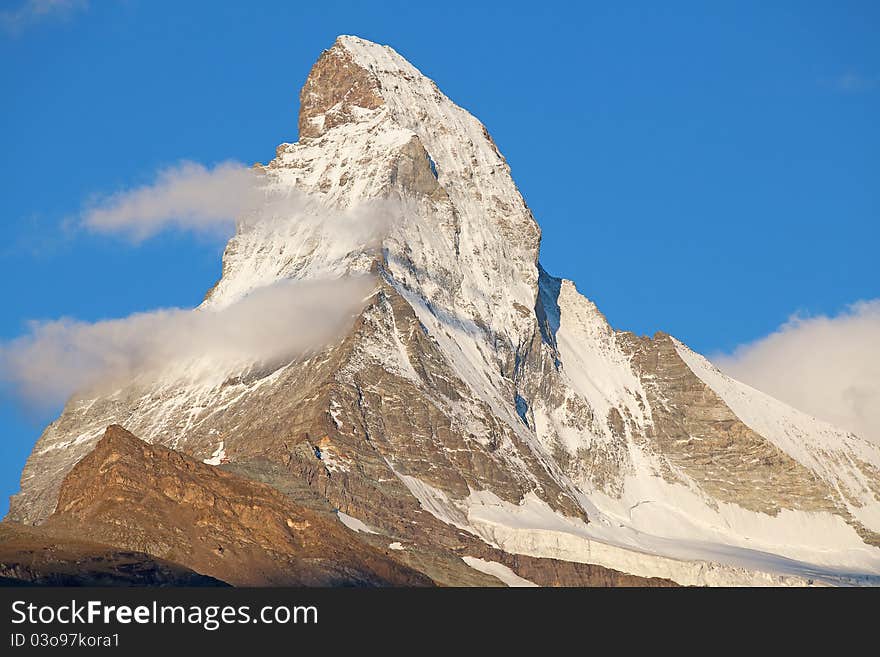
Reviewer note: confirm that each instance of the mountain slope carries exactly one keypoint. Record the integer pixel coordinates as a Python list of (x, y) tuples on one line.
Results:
[(474, 395), (151, 499), (33, 556)]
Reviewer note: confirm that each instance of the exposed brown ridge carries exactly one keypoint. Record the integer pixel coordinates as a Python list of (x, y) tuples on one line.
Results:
[(148, 498), (335, 85)]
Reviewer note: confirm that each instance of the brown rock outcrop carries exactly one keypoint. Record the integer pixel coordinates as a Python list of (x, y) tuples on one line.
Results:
[(152, 499), (335, 85)]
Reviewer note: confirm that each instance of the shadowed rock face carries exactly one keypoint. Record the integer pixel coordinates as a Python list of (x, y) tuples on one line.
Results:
[(470, 375), (152, 499), (37, 556)]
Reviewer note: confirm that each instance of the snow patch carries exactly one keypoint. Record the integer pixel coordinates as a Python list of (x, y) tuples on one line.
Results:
[(499, 571), (218, 457), (334, 413), (355, 524)]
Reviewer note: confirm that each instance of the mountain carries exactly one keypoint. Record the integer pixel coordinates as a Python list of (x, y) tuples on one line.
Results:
[(478, 407)]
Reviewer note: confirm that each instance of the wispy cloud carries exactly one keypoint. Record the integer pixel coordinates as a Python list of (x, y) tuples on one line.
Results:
[(187, 195), (192, 197), (30, 12), (276, 321), (59, 358), (853, 82), (826, 366)]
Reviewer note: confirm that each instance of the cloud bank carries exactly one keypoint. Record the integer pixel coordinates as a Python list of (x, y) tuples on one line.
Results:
[(271, 325), (826, 366)]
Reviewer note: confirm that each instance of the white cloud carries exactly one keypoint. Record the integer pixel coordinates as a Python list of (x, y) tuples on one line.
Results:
[(187, 195), (34, 11), (59, 358), (276, 321), (826, 366)]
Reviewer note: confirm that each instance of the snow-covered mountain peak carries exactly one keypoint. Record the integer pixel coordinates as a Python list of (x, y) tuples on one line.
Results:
[(377, 134), (477, 400)]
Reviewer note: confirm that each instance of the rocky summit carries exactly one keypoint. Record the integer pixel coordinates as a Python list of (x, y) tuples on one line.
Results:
[(478, 423)]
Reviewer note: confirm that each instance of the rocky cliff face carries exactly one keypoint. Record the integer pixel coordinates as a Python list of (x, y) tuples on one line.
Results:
[(157, 501), (478, 406)]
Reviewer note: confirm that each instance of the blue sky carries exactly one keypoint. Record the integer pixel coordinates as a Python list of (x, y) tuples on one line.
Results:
[(702, 169)]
